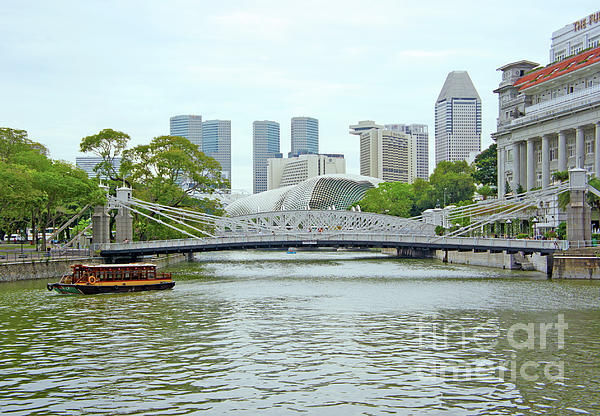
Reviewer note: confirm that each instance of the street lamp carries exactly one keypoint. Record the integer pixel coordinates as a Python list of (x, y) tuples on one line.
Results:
[(508, 222), (534, 221), (445, 197)]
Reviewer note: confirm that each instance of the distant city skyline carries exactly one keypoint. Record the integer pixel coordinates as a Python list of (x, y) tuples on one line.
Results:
[(133, 77)]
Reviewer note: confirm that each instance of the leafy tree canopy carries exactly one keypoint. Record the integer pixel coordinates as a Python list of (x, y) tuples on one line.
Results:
[(107, 144), (452, 182), (392, 198), (161, 166), (486, 166)]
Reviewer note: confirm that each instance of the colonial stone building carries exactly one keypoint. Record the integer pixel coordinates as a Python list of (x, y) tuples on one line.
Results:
[(549, 120)]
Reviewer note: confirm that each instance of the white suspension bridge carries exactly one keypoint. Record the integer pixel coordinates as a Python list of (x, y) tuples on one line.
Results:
[(331, 228)]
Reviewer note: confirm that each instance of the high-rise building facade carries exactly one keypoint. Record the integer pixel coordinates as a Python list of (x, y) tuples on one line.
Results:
[(420, 134), (305, 136), (216, 143), (386, 154), (291, 171), (266, 145), (188, 126), (457, 119)]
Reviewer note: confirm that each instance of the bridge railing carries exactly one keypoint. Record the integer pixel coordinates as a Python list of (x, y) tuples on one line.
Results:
[(350, 238)]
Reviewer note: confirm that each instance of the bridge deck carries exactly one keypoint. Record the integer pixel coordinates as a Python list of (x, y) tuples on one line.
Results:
[(327, 239)]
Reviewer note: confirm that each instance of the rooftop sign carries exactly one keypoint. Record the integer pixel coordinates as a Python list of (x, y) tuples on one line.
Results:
[(590, 20)]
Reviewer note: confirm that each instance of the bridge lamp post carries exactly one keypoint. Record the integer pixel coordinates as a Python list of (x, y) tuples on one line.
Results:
[(508, 222), (534, 222)]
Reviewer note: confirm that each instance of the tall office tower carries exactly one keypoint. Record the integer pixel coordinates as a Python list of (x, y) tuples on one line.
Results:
[(457, 119), (421, 136), (386, 154), (305, 136), (265, 143), (188, 126), (216, 143)]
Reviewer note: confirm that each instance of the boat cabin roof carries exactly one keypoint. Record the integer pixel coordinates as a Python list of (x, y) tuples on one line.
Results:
[(116, 266)]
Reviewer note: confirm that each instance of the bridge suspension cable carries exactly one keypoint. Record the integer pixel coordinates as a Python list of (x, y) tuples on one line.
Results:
[(502, 208)]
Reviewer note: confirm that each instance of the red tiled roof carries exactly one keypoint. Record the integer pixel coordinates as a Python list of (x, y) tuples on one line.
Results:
[(559, 69)]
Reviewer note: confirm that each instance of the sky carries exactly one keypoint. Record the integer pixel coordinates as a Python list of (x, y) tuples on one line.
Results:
[(72, 68)]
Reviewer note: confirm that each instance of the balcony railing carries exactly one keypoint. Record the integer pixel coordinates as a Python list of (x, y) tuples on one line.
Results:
[(558, 105)]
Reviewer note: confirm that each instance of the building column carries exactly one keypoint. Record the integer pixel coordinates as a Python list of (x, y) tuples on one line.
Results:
[(516, 166), (530, 164), (562, 151), (579, 147), (597, 151), (545, 160), (501, 174)]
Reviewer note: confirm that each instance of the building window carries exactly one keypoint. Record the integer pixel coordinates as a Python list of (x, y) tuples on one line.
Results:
[(553, 153), (509, 155), (570, 150), (589, 148), (539, 156)]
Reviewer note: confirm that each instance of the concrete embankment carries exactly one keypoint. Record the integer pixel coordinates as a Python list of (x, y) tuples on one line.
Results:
[(582, 263), (56, 268), (501, 260)]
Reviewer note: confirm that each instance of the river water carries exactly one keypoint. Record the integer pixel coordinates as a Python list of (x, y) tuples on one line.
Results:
[(328, 333)]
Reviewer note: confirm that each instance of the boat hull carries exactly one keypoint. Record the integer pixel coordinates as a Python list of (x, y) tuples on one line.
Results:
[(77, 289)]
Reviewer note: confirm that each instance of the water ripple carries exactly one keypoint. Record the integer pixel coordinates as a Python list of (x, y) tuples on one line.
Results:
[(247, 333)]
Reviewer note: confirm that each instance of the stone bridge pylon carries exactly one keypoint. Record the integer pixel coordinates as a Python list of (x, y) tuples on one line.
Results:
[(101, 219)]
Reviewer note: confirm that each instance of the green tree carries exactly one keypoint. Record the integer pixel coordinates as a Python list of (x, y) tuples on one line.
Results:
[(486, 191), (156, 172), (392, 198), (452, 182), (35, 189), (424, 196), (561, 176), (63, 189), (108, 144), (486, 166)]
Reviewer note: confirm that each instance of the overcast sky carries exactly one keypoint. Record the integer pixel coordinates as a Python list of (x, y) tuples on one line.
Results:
[(72, 68)]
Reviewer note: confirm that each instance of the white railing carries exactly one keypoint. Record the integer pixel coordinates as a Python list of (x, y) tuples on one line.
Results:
[(305, 238), (557, 105)]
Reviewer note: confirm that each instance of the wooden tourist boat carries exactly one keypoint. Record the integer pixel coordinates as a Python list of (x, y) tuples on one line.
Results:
[(90, 279)]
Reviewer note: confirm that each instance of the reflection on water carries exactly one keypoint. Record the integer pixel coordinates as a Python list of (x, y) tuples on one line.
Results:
[(314, 333)]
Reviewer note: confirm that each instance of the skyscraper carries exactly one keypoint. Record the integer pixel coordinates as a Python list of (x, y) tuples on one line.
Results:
[(386, 154), (188, 126), (457, 119), (421, 136), (305, 136), (265, 143), (216, 143)]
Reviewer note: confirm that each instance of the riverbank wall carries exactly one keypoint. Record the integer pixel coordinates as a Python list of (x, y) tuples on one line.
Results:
[(56, 268), (501, 260), (582, 263)]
